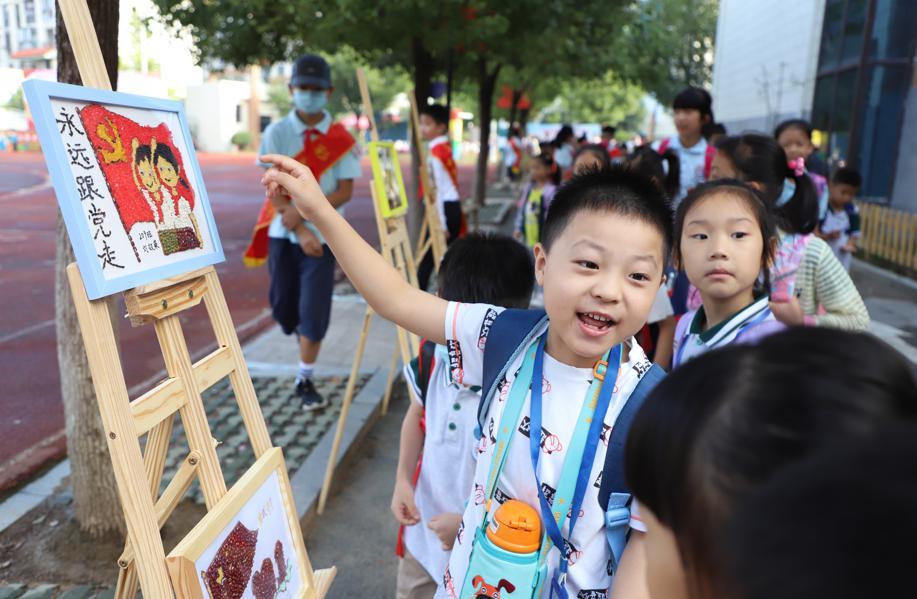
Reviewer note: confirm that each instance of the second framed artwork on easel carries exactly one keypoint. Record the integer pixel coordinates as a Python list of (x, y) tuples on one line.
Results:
[(128, 184), (387, 179)]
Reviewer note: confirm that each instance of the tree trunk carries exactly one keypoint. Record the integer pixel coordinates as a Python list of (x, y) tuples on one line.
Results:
[(95, 494), (487, 84), (514, 107), (423, 83)]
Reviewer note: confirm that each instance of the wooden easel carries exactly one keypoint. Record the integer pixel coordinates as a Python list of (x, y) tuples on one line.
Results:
[(138, 474), (431, 235), (396, 248)]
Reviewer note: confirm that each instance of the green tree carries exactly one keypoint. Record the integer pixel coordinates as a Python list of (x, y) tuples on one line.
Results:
[(667, 45), (16, 101), (609, 99)]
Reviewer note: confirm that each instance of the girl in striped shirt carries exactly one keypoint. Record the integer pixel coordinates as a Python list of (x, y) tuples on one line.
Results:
[(810, 287)]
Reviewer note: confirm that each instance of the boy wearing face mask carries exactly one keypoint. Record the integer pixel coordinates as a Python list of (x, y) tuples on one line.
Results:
[(301, 265)]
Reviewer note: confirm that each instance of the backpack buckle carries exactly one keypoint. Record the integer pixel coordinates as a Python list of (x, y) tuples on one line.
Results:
[(599, 370)]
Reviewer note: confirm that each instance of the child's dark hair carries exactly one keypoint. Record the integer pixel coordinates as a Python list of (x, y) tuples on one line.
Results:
[(695, 98), (143, 152), (718, 427), (437, 112), (164, 151), (799, 124), (609, 130), (755, 203), (596, 150), (793, 538), (487, 268), (565, 133), (847, 176), (760, 159), (711, 129), (664, 169), (550, 165), (617, 190)]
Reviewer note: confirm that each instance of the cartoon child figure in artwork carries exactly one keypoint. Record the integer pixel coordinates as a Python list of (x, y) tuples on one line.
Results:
[(177, 213), (156, 175)]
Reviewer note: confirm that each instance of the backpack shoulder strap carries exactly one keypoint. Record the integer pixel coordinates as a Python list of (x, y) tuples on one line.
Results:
[(510, 334), (420, 369), (613, 480), (709, 153)]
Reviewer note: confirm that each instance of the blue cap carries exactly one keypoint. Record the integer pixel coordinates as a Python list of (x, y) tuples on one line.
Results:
[(311, 69)]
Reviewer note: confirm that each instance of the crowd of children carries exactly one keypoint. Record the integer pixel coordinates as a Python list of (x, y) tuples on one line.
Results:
[(544, 454)]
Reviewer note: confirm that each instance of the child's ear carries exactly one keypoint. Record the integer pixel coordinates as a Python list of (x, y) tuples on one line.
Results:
[(541, 257)]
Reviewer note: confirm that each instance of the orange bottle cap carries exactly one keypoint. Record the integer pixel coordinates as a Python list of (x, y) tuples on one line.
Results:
[(515, 527)]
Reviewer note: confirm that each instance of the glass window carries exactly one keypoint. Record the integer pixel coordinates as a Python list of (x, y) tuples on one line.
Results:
[(853, 31), (842, 121), (893, 29), (831, 34), (880, 125), (821, 104)]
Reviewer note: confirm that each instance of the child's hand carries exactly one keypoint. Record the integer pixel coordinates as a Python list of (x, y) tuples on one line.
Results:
[(403, 504), (850, 248), (789, 312), (446, 527), (308, 242), (295, 179), (833, 235), (290, 218)]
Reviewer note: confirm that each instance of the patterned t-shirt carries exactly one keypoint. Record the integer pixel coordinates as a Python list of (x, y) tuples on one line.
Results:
[(565, 388)]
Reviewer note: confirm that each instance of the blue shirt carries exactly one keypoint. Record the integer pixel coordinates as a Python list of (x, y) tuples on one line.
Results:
[(286, 137), (691, 162)]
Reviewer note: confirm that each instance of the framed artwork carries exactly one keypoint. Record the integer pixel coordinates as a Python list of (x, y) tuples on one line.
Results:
[(128, 184), (249, 545), (387, 181)]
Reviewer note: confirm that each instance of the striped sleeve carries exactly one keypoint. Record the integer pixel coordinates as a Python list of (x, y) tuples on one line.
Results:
[(830, 287)]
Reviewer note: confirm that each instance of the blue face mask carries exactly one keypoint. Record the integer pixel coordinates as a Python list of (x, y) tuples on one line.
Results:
[(310, 102)]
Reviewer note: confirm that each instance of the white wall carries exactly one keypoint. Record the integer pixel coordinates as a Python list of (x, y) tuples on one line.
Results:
[(765, 63), (211, 111)]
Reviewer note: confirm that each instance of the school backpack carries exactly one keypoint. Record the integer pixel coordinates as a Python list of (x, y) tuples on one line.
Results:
[(511, 333), (709, 153)]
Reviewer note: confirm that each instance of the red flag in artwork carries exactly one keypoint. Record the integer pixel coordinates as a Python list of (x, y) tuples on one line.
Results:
[(125, 149)]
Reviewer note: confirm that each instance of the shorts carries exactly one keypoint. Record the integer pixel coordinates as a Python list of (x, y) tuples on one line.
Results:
[(301, 289), (413, 581)]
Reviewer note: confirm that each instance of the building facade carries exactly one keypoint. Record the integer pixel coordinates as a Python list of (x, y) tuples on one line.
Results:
[(845, 65), (27, 34)]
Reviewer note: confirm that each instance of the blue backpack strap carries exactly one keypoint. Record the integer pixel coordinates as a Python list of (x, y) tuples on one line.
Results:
[(512, 332), (614, 494)]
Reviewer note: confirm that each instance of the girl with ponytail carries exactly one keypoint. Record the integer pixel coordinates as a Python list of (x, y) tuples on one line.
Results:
[(810, 287)]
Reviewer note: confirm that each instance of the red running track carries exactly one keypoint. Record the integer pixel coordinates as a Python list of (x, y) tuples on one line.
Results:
[(31, 412)]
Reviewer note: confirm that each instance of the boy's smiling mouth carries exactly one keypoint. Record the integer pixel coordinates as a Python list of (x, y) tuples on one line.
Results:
[(595, 323)]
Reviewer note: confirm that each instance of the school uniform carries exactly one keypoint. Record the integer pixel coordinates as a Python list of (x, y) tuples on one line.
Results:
[(748, 325), (444, 175), (564, 389), (301, 285), (693, 162), (450, 417), (845, 221)]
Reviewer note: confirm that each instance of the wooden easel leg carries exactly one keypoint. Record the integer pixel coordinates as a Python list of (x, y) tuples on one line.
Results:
[(241, 381), (345, 409), (154, 461), (392, 369), (194, 418)]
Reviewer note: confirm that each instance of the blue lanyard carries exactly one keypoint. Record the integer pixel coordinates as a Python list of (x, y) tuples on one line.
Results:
[(582, 447)]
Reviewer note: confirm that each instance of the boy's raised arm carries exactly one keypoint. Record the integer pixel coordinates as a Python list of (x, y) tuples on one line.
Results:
[(378, 282)]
